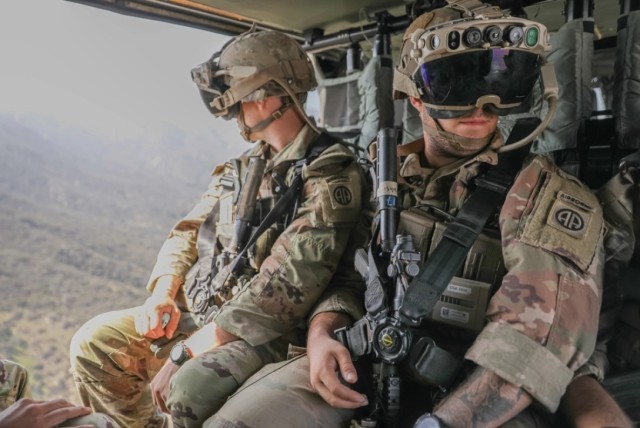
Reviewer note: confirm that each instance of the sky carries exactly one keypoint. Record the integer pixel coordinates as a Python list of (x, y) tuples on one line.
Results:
[(116, 75)]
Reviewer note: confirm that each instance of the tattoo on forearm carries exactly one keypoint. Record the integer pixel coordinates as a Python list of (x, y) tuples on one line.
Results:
[(483, 400)]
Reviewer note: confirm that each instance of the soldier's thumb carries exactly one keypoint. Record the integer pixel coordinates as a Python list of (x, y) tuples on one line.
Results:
[(173, 324), (347, 369)]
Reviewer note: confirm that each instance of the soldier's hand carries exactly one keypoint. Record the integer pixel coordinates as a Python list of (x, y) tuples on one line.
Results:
[(328, 360), (159, 316), (41, 414), (160, 385)]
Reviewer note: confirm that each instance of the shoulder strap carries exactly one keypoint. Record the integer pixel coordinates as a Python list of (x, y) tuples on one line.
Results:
[(448, 257)]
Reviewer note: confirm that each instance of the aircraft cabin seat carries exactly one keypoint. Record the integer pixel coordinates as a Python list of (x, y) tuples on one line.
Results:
[(356, 106)]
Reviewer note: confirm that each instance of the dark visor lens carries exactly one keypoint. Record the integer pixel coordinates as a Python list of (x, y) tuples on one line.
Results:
[(459, 80)]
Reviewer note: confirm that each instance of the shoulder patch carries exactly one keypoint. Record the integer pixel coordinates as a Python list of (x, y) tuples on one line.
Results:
[(341, 199), (565, 218), (570, 215)]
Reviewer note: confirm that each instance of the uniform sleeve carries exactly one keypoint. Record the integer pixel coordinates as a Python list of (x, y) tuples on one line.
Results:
[(301, 264), (543, 319), (179, 252)]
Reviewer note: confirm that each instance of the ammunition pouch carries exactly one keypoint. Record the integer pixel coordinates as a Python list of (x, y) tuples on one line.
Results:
[(432, 365)]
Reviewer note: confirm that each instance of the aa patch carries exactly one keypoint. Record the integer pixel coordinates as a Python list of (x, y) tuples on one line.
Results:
[(341, 200), (562, 217), (342, 195), (570, 215)]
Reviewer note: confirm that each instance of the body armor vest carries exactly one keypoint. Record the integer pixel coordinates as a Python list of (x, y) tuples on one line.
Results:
[(464, 302)]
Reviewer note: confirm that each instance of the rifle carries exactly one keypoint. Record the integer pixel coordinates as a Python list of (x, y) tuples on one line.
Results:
[(386, 268), (226, 266), (233, 259)]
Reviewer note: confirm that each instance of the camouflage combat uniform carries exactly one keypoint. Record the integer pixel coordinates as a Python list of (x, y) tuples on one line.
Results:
[(542, 320), (14, 386), (112, 364)]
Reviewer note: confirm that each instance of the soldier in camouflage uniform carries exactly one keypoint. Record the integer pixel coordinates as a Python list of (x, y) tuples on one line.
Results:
[(17, 410), (541, 319), (250, 317)]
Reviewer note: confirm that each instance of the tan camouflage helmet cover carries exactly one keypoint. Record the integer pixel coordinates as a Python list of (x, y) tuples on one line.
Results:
[(273, 55), (251, 67), (418, 44)]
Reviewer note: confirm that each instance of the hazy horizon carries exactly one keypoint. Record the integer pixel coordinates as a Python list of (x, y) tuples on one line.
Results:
[(119, 77)]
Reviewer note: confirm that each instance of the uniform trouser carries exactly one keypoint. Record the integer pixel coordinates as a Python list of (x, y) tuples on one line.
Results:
[(14, 386), (203, 384), (280, 395), (113, 365)]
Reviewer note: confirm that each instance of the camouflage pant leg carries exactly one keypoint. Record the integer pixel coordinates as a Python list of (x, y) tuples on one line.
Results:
[(112, 366), (14, 383), (204, 383), (279, 395), (97, 420)]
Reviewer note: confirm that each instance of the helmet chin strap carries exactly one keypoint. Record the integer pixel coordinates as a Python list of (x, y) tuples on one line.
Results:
[(456, 140), (247, 131)]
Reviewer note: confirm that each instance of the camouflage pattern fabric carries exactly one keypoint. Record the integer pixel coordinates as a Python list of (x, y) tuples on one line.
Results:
[(112, 364), (542, 319), (551, 227), (14, 383), (119, 385), (547, 305), (289, 400), (14, 386), (204, 383)]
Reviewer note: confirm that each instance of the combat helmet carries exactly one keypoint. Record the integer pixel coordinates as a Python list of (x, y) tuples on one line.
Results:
[(251, 67), (469, 55)]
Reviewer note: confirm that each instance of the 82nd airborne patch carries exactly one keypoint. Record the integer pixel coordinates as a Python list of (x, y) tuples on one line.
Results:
[(570, 215), (342, 195)]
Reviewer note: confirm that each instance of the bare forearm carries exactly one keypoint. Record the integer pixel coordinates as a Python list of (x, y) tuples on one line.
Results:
[(483, 400)]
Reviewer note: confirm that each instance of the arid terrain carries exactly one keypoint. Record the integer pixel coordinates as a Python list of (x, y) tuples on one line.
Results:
[(81, 221)]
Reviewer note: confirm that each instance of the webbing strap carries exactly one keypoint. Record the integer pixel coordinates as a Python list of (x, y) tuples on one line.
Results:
[(448, 257)]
